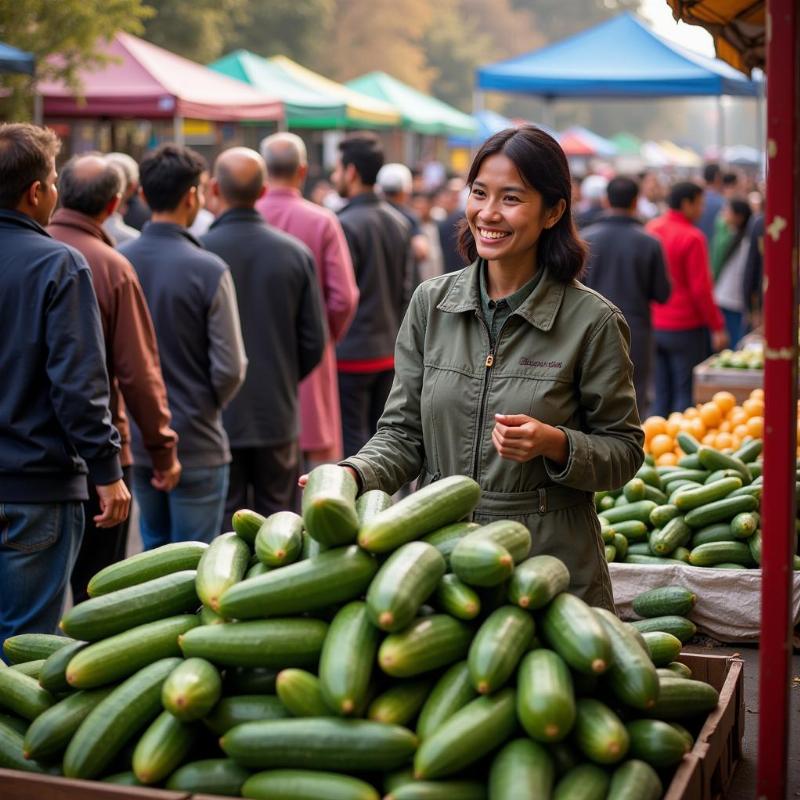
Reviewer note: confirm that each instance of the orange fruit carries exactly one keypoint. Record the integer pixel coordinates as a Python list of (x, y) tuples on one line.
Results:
[(725, 401), (676, 416), (723, 440), (691, 413), (757, 394), (711, 414), (667, 460), (661, 443), (697, 428), (708, 439), (738, 416), (753, 407), (653, 426), (755, 427), (736, 442), (725, 426), (741, 430), (673, 428)]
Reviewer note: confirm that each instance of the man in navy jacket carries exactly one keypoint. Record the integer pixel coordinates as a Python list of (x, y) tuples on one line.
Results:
[(55, 422)]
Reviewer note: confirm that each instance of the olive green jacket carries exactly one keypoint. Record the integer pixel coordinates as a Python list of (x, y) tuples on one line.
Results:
[(563, 358)]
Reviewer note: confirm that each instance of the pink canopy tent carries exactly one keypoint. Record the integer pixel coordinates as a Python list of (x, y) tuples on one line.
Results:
[(148, 82)]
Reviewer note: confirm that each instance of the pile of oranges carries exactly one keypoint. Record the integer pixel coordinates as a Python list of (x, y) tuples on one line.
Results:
[(720, 423)]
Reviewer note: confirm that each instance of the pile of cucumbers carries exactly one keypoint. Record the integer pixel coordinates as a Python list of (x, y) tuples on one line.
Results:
[(704, 512), (363, 650)]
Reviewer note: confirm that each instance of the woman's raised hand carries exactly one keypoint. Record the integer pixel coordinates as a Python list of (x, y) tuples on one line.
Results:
[(518, 437)]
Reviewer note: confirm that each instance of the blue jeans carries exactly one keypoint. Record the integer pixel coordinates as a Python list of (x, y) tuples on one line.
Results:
[(677, 354), (192, 511), (38, 546), (734, 325)]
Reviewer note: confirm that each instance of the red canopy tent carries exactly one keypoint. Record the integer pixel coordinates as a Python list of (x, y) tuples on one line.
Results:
[(145, 81), (574, 145)]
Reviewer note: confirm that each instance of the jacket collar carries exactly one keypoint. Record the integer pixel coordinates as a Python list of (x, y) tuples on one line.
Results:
[(237, 215), (170, 230), (539, 309), (22, 221), (618, 219), (75, 219), (363, 199)]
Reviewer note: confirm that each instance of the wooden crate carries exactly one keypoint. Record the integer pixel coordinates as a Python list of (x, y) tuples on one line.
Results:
[(706, 773), (31, 786), (708, 380)]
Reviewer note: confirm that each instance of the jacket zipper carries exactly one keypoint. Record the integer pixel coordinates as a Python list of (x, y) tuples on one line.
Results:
[(488, 364)]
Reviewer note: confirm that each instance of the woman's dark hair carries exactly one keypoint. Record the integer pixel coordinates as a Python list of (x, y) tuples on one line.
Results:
[(543, 167), (741, 209)]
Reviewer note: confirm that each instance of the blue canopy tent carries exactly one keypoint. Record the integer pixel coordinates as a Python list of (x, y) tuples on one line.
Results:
[(13, 59), (487, 124)]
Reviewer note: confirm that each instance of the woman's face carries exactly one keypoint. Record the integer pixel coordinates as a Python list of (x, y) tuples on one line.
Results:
[(505, 215)]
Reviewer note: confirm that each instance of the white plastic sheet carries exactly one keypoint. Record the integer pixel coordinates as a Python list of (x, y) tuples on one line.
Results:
[(728, 601)]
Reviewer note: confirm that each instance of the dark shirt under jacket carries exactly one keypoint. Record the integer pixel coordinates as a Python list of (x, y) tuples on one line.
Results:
[(55, 422), (379, 239), (448, 235), (283, 324), (626, 265)]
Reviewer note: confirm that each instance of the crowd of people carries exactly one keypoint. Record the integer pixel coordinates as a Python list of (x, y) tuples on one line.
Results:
[(200, 335)]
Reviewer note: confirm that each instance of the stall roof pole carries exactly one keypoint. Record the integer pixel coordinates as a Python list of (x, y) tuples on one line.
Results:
[(780, 387)]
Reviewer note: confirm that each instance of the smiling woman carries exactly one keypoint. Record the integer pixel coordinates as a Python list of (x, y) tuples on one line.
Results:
[(513, 372)]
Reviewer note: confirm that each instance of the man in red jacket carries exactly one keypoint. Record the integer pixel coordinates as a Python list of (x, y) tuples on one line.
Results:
[(682, 324)]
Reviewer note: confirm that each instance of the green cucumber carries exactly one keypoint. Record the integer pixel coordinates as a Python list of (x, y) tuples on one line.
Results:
[(471, 733), (428, 644), (687, 442), (656, 742), (681, 554), (33, 646), (122, 655), (454, 597), (445, 539), (690, 461), (481, 562), (440, 503), (236, 710), (345, 666), (633, 529), (247, 524), (370, 504), (749, 451), (162, 748), (143, 567), (634, 490), (610, 552), (253, 572), (651, 560), (635, 780), (620, 546), (11, 747), (498, 646), (722, 474), (649, 475), (622, 501), (123, 609), (678, 626), (22, 694), (191, 690), (663, 647), (607, 532), (514, 536), (400, 704), (536, 581), (451, 693), (754, 546), (274, 643), (676, 533), (30, 668), (438, 790), (210, 617), (53, 676), (403, 583), (689, 739), (720, 511), (322, 743), (114, 721), (301, 693), (673, 488), (210, 776), (713, 460), (718, 532), (679, 669), (583, 782), (279, 541), (679, 698), (329, 505), (574, 632), (632, 677), (126, 778), (753, 490), (687, 499), (332, 577), (253, 680), (713, 553), (745, 524), (297, 784), (696, 475), (50, 733), (599, 732), (223, 564), (637, 511), (19, 724), (639, 549), (663, 601), (545, 696), (661, 515), (656, 495), (521, 769), (564, 756)]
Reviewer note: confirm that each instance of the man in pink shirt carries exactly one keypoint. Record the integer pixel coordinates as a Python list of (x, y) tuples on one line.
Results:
[(682, 324), (284, 207)]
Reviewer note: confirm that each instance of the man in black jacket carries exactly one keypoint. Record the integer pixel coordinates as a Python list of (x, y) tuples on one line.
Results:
[(379, 238), (627, 266), (284, 331), (55, 422)]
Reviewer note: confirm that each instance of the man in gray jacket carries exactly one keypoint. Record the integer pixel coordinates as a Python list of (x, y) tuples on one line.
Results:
[(192, 301)]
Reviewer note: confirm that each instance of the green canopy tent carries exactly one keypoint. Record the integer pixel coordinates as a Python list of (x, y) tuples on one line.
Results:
[(627, 144), (311, 101)]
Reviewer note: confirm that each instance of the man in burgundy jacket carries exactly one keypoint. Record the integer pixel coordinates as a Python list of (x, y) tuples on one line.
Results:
[(682, 325), (90, 190)]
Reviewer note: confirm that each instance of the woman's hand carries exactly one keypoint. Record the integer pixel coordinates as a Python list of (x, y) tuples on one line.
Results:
[(518, 437), (303, 479)]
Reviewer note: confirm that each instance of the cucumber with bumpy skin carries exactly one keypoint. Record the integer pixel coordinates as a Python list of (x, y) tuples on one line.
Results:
[(536, 581), (370, 504), (521, 769), (236, 710), (451, 693), (445, 539), (301, 693), (22, 694), (297, 784), (53, 676), (679, 698), (33, 646), (583, 782), (599, 732), (221, 776), (454, 597), (498, 647), (663, 647), (329, 505), (663, 601), (656, 742), (400, 703), (481, 562), (678, 626), (635, 780), (162, 748)]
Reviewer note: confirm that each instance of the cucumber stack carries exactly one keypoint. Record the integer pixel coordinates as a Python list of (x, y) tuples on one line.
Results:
[(384, 650)]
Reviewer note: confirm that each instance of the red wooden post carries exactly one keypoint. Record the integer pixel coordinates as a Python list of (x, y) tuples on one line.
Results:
[(780, 386)]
